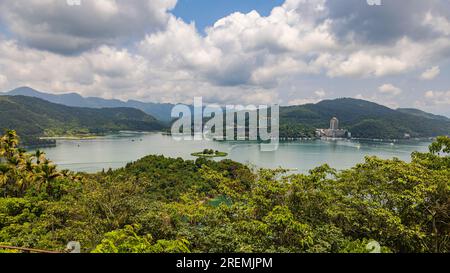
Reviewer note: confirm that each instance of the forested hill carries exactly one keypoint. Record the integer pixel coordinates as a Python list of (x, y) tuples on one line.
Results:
[(161, 111), (33, 118), (419, 113), (363, 118)]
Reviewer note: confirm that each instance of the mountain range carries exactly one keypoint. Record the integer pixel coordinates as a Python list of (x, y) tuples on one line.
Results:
[(362, 118), (160, 111), (33, 118)]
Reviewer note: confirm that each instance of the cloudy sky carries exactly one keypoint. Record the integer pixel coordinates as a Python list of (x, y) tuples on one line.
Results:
[(231, 51)]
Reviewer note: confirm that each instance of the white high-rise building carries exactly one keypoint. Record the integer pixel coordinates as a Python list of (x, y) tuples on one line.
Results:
[(334, 131), (334, 124)]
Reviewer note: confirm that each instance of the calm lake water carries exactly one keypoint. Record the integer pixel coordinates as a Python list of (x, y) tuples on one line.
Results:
[(116, 151)]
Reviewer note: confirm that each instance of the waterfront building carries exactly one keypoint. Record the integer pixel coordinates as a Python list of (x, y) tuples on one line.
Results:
[(333, 131)]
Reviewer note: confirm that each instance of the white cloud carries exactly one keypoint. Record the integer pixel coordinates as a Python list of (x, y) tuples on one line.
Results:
[(137, 49), (3, 81), (248, 49), (115, 73), (303, 101), (438, 97), (56, 26), (365, 64), (390, 89), (431, 73), (389, 102), (319, 95), (104, 72), (438, 23)]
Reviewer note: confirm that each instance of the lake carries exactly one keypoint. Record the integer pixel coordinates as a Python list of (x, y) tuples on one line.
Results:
[(93, 155)]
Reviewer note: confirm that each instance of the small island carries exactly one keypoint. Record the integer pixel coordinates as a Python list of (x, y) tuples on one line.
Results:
[(210, 153)]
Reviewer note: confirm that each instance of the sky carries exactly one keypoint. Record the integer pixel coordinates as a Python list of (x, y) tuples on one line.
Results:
[(205, 13), (231, 51)]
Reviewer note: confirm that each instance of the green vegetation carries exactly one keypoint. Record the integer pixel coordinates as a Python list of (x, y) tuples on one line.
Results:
[(161, 111), (210, 153), (165, 205), (364, 119), (33, 118), (419, 113)]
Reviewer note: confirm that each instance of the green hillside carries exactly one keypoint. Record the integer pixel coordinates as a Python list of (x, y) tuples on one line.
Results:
[(364, 119), (161, 111), (33, 118), (419, 113)]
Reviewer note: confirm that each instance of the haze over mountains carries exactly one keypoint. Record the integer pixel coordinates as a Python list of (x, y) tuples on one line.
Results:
[(158, 110)]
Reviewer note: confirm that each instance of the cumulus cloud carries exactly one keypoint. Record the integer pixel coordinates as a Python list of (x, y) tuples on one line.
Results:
[(99, 72), (365, 64), (297, 38), (138, 49), (318, 96), (438, 97), (431, 74), (55, 26), (439, 24), (390, 89), (385, 24), (111, 72), (320, 93)]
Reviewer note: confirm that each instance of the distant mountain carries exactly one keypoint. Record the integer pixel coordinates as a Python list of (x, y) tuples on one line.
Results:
[(158, 110), (363, 118), (33, 118)]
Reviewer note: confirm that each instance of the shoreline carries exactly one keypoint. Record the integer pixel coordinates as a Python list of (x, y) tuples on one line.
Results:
[(92, 137), (72, 137)]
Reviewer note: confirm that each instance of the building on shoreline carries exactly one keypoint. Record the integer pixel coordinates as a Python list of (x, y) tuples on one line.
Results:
[(333, 131)]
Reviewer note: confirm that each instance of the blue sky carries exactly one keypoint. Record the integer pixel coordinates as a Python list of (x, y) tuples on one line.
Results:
[(206, 12)]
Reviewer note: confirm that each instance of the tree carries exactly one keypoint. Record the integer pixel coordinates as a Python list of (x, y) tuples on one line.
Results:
[(441, 145), (159, 204), (128, 241)]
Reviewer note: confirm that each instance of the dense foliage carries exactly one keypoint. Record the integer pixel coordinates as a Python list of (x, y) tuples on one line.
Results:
[(209, 153), (33, 118), (362, 118), (167, 205)]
